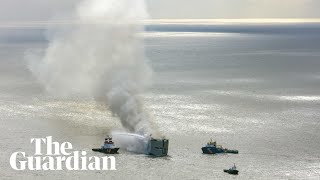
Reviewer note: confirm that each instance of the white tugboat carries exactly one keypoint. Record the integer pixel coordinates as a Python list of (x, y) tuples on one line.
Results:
[(108, 147)]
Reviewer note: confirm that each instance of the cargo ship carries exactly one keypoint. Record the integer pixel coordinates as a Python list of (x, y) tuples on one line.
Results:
[(213, 148), (142, 144), (158, 147), (108, 147)]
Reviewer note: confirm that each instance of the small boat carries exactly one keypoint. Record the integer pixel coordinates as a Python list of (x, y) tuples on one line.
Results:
[(108, 147), (213, 148), (232, 170)]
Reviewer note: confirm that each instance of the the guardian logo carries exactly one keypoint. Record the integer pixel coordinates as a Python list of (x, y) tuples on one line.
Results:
[(59, 157)]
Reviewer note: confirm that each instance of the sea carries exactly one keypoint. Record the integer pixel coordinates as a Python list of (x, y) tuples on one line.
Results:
[(249, 86)]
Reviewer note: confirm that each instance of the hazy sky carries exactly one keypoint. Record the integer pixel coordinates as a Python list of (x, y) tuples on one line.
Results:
[(28, 10)]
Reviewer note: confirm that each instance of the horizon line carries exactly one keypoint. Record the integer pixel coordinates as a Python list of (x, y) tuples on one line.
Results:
[(38, 23)]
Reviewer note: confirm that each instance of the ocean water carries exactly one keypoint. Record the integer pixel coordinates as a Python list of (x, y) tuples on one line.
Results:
[(250, 87)]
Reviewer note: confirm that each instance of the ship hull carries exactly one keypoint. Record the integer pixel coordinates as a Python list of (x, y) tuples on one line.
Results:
[(211, 150), (106, 150), (214, 150), (231, 171)]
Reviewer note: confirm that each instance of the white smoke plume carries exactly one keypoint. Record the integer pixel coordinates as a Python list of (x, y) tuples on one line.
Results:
[(102, 56)]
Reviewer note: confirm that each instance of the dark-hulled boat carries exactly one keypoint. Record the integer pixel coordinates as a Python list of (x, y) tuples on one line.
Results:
[(232, 170), (108, 147), (213, 148)]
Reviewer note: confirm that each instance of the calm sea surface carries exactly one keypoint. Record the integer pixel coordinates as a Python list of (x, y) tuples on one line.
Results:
[(255, 88)]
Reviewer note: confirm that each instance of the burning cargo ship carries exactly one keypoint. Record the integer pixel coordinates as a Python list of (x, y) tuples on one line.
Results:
[(137, 143), (158, 147)]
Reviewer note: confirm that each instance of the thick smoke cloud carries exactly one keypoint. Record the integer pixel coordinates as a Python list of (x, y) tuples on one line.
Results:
[(101, 56)]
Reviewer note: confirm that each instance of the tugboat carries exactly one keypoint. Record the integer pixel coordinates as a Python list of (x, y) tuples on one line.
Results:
[(213, 148), (108, 147), (232, 170)]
